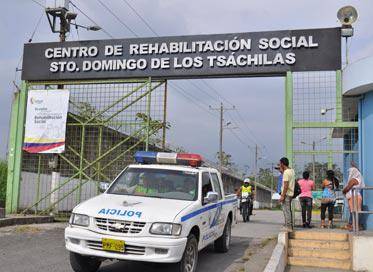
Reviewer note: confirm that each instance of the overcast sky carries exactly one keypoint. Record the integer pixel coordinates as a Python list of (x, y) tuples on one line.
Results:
[(259, 101)]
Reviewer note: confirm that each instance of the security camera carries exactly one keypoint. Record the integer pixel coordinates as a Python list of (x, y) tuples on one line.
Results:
[(323, 111)]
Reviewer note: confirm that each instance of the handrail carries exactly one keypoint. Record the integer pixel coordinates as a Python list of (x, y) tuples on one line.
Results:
[(355, 212)]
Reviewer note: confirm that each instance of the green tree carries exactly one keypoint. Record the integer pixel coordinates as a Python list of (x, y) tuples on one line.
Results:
[(3, 177), (226, 160), (265, 176), (320, 172)]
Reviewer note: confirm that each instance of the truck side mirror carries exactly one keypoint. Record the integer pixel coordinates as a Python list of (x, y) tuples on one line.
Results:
[(211, 197), (103, 187)]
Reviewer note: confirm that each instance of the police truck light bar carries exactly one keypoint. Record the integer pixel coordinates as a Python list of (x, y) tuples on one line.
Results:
[(149, 157)]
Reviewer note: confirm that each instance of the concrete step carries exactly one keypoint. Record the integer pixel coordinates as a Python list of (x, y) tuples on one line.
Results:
[(336, 254), (318, 244), (311, 269), (320, 235), (320, 262)]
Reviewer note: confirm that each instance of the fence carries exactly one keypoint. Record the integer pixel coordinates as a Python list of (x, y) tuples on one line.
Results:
[(107, 122), (321, 125)]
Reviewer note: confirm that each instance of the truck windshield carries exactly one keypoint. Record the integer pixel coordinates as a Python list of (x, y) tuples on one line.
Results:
[(159, 183)]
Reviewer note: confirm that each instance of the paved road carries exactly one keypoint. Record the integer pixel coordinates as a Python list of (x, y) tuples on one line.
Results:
[(40, 248)]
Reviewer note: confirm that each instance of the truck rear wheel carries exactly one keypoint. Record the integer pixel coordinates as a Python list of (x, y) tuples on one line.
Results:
[(223, 243), (80, 263), (190, 257)]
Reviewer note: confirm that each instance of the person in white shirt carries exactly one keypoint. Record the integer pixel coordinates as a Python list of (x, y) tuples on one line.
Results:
[(355, 181)]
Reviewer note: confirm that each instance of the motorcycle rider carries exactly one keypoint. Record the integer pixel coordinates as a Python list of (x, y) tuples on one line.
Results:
[(246, 189)]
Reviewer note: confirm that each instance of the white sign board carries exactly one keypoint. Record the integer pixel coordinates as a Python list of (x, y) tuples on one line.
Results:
[(46, 121)]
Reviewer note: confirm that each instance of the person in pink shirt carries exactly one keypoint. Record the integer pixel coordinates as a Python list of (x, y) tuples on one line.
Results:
[(305, 198)]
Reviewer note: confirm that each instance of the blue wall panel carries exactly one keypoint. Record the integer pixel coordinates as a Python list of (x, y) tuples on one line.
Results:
[(366, 133)]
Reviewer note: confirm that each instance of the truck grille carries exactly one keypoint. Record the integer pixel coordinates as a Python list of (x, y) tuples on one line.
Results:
[(128, 249), (117, 226)]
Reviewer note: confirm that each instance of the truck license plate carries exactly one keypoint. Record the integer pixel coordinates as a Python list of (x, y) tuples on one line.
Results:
[(113, 245)]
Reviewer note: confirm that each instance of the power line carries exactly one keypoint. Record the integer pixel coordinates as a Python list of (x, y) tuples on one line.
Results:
[(216, 92), (141, 18), (254, 139), (192, 99), (183, 92), (36, 27), (118, 19), (76, 27), (29, 40), (192, 83), (38, 3), (93, 21)]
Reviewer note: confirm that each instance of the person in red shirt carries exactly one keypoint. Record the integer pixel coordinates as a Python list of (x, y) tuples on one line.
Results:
[(306, 186)]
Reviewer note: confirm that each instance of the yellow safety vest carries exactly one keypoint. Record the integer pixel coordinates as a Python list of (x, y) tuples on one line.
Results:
[(246, 189), (144, 190)]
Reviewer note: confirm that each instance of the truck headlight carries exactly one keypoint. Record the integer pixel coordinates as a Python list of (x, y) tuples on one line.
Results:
[(165, 229), (79, 219)]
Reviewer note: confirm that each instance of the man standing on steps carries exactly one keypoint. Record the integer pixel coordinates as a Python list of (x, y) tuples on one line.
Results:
[(287, 192)]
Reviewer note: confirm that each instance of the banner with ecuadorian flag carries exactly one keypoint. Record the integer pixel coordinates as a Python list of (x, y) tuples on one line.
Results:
[(46, 121)]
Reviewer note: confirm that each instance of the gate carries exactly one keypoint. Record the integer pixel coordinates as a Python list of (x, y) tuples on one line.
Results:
[(323, 124), (107, 122)]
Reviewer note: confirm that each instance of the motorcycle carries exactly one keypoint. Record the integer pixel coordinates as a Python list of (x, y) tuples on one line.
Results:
[(246, 204)]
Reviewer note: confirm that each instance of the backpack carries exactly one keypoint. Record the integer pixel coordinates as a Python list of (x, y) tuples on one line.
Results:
[(297, 190)]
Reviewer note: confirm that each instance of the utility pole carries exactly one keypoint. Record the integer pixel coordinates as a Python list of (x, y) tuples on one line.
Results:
[(221, 109), (61, 12)]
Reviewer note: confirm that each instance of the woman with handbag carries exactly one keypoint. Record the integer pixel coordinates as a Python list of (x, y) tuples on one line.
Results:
[(329, 186)]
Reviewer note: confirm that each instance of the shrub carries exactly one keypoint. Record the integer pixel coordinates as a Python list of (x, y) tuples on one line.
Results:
[(3, 177)]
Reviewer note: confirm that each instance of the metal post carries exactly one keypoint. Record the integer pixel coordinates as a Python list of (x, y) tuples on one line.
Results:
[(330, 147), (338, 102), (313, 160), (353, 210), (346, 42), (356, 206), (272, 182), (37, 196), (55, 164), (164, 117), (99, 162), (289, 117), (148, 105), (82, 143), (256, 171), (15, 148), (55, 182), (221, 138)]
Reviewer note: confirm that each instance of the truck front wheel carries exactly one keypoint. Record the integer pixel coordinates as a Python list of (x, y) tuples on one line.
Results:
[(190, 257), (80, 263), (222, 244)]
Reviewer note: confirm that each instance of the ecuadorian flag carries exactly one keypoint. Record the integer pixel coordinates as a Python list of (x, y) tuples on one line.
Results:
[(37, 145)]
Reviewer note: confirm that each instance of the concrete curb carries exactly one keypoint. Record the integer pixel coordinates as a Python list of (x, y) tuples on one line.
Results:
[(25, 220), (278, 260)]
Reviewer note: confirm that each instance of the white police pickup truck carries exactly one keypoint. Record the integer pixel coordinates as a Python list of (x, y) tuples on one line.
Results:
[(164, 209)]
